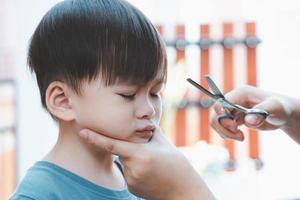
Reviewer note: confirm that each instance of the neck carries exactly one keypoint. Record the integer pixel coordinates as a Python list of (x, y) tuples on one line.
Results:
[(79, 157)]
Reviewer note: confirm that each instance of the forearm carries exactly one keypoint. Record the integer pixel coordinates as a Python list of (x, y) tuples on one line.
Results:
[(191, 187), (292, 127), (196, 191)]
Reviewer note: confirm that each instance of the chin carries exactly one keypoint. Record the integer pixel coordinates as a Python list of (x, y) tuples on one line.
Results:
[(139, 140)]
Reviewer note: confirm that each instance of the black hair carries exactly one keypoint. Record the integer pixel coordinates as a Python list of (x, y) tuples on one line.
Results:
[(78, 40)]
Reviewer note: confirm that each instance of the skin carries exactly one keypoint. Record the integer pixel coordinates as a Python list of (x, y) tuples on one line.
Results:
[(118, 111), (284, 113), (131, 107)]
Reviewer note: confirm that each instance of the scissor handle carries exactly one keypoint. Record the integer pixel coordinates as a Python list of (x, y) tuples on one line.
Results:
[(224, 115), (253, 111), (227, 104), (222, 120), (256, 111)]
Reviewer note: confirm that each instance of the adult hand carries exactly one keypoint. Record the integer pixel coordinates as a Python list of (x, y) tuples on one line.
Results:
[(280, 110), (155, 170)]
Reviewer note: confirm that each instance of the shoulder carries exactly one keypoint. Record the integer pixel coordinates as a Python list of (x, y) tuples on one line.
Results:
[(38, 184)]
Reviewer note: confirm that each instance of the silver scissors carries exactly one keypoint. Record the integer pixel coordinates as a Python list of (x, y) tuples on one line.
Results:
[(226, 104)]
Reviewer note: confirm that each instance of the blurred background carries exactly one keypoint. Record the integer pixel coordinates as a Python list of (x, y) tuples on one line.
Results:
[(235, 41)]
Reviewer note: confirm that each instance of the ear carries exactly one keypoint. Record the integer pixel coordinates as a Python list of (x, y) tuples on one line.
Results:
[(58, 101)]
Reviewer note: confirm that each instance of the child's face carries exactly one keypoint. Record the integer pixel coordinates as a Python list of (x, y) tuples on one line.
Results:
[(121, 111)]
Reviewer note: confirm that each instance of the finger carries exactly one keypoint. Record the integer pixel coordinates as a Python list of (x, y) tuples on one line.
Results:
[(218, 131), (278, 111), (258, 122), (239, 118), (254, 120), (247, 96), (218, 108), (114, 146), (227, 122), (237, 135), (225, 135)]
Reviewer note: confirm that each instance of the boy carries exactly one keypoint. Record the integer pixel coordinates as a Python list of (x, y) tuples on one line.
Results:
[(99, 64)]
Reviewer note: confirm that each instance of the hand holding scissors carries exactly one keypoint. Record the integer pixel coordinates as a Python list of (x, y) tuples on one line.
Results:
[(228, 106)]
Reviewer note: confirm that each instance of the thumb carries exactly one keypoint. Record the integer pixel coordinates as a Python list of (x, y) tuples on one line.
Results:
[(278, 110), (254, 119), (118, 147)]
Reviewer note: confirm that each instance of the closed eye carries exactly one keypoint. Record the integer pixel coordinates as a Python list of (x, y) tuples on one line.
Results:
[(127, 97), (154, 95)]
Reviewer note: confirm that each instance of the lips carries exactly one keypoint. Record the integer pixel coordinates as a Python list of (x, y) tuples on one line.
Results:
[(146, 128), (146, 132)]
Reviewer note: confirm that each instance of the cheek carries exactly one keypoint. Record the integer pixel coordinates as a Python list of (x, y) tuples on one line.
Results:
[(107, 118)]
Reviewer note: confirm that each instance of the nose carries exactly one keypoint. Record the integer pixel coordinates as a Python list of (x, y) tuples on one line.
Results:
[(146, 109)]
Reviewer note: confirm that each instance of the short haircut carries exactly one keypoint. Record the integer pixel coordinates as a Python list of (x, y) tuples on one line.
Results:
[(78, 40)]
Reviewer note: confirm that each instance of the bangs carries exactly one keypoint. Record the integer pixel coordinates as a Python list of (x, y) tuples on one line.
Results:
[(134, 52), (135, 61)]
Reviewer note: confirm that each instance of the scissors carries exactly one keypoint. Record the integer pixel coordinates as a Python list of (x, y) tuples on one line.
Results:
[(226, 104)]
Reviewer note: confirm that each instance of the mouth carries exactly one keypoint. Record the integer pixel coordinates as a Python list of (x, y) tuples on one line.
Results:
[(146, 133)]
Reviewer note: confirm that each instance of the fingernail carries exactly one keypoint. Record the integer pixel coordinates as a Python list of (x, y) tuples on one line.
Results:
[(252, 119)]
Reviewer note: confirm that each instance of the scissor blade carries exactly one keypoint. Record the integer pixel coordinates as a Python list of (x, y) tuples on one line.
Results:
[(205, 91), (213, 86)]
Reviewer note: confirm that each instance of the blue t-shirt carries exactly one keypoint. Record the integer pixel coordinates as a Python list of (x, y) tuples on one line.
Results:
[(47, 181)]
